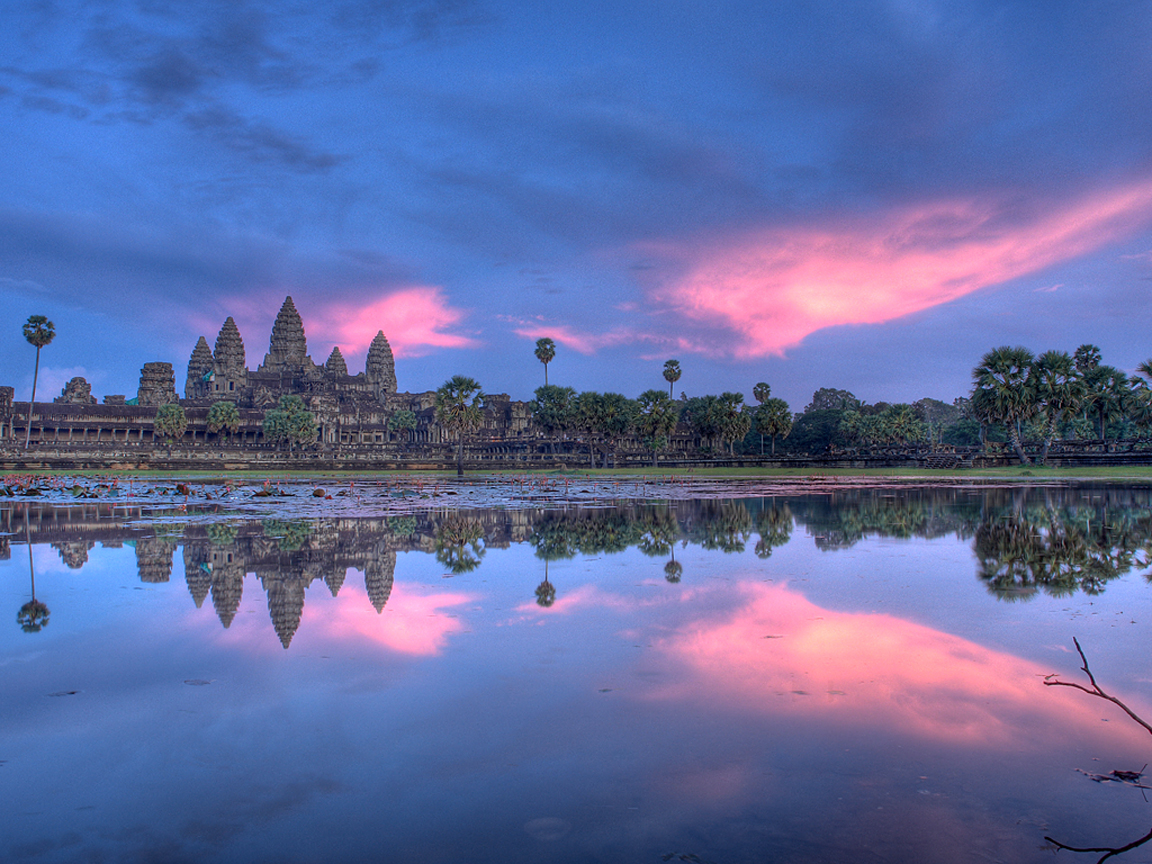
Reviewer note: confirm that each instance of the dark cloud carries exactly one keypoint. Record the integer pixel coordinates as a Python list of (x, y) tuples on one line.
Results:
[(258, 141)]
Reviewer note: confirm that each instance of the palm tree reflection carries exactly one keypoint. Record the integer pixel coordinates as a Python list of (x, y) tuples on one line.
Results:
[(33, 615)]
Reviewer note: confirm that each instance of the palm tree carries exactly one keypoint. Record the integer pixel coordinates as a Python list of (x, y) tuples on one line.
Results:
[(224, 417), (671, 373), (774, 418), (171, 422), (1002, 390), (39, 331), (1058, 388), (458, 409), (761, 392), (657, 416), (33, 615), (545, 352), (1107, 394)]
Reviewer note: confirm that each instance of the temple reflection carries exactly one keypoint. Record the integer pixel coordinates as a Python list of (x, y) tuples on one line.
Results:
[(1025, 540)]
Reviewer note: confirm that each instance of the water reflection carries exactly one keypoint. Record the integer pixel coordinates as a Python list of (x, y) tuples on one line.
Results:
[(1025, 541), (762, 705)]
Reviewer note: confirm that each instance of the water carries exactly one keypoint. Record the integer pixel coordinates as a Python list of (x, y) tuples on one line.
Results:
[(850, 675)]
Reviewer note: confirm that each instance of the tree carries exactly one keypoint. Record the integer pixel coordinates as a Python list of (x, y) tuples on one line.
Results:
[(552, 409), (33, 615), (545, 352), (656, 417), (39, 331), (170, 423), (1086, 358), (616, 418), (275, 427), (1002, 391), (1058, 388), (761, 392), (830, 399), (671, 373), (773, 417), (291, 423), (224, 417), (731, 418), (1107, 394), (702, 416), (402, 420), (459, 403)]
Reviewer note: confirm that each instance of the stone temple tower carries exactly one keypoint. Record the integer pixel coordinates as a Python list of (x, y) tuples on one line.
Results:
[(381, 368), (199, 365), (288, 349), (228, 361)]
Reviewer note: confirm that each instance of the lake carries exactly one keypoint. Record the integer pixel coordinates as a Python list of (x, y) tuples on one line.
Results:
[(692, 673)]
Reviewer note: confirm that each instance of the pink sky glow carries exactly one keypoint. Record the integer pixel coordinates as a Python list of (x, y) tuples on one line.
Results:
[(775, 287), (876, 670), (414, 319), (416, 621)]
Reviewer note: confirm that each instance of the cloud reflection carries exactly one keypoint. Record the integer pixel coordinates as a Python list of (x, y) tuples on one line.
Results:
[(778, 653), (417, 620)]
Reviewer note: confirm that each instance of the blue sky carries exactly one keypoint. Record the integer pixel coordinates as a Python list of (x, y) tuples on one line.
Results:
[(865, 196)]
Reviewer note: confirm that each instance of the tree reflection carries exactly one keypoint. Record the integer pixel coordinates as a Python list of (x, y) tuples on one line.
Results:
[(33, 615), (460, 543), (1060, 550), (774, 525)]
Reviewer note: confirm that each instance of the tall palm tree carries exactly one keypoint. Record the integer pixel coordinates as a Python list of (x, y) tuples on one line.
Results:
[(39, 331), (458, 409), (1107, 394), (1059, 390), (545, 352), (761, 392), (671, 374), (1002, 390), (33, 615)]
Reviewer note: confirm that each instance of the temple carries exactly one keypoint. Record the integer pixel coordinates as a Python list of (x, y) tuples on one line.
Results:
[(352, 412)]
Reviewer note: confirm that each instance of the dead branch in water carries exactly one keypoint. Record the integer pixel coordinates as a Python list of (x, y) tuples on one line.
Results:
[(1109, 850), (1095, 690)]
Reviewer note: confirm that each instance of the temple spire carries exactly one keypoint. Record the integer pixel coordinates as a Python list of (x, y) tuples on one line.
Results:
[(288, 347)]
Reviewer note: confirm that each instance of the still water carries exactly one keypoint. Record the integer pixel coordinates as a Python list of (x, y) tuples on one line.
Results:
[(855, 675)]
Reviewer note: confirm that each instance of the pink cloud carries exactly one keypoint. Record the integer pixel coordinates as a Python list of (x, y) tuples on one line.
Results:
[(414, 319), (582, 343), (774, 287), (416, 621), (778, 653)]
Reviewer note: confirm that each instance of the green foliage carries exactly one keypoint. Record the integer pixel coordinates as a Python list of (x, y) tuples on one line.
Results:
[(291, 423), (552, 408), (460, 543), (459, 410), (671, 373), (656, 418), (1002, 392), (39, 331), (402, 420), (224, 416), (289, 536), (830, 399), (893, 424), (773, 418), (170, 422), (815, 431), (545, 353), (33, 616), (718, 418), (761, 392)]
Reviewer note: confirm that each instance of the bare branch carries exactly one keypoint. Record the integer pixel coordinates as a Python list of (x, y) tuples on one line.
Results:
[(1095, 690)]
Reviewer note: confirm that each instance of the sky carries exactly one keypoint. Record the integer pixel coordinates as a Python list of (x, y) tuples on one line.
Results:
[(864, 195)]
